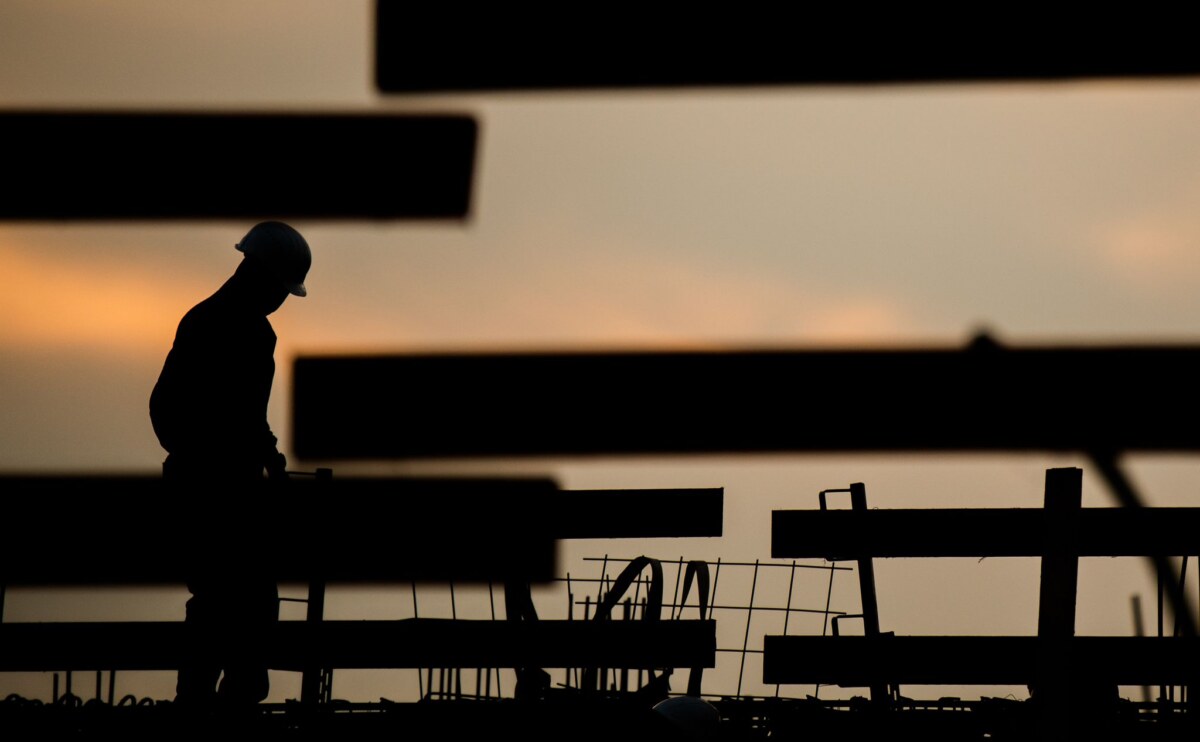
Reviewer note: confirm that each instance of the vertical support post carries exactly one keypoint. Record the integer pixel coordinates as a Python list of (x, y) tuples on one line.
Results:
[(310, 683), (1056, 601), (866, 587), (316, 682), (1139, 629), (1060, 557), (1163, 708)]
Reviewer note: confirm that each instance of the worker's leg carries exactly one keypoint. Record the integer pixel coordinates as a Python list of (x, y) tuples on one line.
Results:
[(252, 610), (197, 680)]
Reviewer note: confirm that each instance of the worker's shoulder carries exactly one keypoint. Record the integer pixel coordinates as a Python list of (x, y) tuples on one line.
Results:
[(205, 315), (220, 320)]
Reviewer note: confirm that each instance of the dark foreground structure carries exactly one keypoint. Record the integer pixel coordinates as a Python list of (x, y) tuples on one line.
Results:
[(621, 654), (504, 531), (593, 719)]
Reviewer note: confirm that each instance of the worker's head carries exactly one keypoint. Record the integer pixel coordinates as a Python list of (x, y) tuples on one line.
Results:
[(282, 252)]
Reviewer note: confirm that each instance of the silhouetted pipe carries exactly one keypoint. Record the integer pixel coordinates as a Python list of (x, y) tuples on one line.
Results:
[(1106, 463)]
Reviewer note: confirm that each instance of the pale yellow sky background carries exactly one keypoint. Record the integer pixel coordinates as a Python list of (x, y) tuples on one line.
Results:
[(784, 217)]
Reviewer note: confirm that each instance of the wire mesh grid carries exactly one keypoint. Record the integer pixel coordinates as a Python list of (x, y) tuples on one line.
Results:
[(747, 599)]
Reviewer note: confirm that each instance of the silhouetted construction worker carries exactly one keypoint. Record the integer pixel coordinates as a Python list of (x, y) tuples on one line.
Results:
[(209, 411)]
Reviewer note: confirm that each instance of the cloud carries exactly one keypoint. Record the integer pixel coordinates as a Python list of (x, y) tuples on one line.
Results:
[(552, 282), (562, 286), (1154, 250)]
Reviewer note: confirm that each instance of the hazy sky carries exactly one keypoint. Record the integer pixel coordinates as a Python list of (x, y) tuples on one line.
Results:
[(784, 217)]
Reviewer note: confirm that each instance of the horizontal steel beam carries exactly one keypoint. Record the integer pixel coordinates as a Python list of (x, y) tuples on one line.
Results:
[(366, 644), (113, 530), (637, 513), (979, 532), (108, 529), (503, 47), (977, 660), (984, 398), (172, 165)]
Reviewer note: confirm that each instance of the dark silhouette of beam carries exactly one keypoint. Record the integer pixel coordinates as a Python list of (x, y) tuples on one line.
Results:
[(427, 47), (637, 513), (31, 647), (972, 660), (114, 530), (978, 532), (246, 166), (984, 398)]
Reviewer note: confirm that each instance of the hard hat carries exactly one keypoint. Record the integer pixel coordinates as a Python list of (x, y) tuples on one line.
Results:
[(282, 250)]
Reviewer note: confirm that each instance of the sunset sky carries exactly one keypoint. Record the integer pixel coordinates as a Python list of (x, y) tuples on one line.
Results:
[(782, 217)]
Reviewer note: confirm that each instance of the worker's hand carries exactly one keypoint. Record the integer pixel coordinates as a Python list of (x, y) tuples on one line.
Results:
[(277, 468)]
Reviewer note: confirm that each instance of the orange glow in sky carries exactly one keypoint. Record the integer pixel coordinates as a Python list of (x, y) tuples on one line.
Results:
[(55, 300)]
